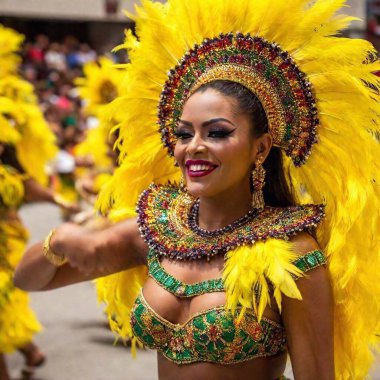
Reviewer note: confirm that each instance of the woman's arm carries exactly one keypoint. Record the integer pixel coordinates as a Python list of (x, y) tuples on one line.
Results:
[(35, 192), (90, 254), (309, 322)]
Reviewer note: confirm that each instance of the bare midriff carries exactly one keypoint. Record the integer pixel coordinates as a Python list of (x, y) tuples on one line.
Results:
[(270, 368)]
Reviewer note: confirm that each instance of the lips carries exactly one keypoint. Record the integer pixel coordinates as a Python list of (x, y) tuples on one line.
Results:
[(199, 168)]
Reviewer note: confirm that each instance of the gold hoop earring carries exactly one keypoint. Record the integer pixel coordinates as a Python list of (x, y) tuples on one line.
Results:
[(258, 182)]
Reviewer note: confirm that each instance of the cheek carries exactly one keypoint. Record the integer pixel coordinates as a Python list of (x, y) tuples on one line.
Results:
[(179, 153), (234, 154)]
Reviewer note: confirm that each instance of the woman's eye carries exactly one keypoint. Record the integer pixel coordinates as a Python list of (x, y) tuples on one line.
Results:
[(220, 133), (182, 135)]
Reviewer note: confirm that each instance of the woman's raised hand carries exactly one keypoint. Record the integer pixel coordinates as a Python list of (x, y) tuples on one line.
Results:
[(93, 251), (79, 246)]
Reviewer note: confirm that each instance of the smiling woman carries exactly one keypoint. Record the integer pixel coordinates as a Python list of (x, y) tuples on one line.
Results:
[(243, 110), (210, 130), (225, 274)]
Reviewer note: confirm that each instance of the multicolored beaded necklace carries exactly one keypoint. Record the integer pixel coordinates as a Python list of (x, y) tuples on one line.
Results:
[(167, 222), (194, 220)]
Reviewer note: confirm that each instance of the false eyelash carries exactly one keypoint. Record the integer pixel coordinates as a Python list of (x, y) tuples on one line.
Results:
[(220, 133), (182, 135)]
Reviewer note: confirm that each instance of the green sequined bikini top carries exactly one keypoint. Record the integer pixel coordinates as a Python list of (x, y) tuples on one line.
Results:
[(210, 336), (215, 335)]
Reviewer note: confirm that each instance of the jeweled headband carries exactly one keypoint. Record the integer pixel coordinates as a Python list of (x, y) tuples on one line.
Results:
[(265, 69)]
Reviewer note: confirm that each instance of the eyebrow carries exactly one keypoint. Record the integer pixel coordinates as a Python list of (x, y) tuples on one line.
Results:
[(208, 122)]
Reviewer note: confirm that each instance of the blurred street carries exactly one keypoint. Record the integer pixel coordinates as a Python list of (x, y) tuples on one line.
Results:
[(76, 339)]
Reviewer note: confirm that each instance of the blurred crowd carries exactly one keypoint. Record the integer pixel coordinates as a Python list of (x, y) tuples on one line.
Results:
[(52, 68)]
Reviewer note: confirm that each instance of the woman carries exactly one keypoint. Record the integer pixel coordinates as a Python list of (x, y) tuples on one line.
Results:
[(241, 116), (216, 162)]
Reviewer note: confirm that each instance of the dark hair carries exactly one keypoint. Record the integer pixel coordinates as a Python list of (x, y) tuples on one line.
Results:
[(278, 189)]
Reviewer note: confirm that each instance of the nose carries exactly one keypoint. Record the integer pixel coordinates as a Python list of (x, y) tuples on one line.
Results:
[(196, 145)]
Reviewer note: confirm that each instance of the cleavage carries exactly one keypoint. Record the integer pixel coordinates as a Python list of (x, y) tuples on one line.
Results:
[(179, 310)]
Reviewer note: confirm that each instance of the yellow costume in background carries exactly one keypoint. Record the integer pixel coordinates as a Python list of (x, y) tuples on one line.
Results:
[(18, 323), (24, 130), (101, 84), (340, 169)]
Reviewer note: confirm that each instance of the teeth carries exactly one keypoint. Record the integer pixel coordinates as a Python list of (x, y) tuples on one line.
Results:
[(200, 168)]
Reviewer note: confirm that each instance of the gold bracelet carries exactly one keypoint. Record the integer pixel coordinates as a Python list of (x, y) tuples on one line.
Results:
[(52, 257)]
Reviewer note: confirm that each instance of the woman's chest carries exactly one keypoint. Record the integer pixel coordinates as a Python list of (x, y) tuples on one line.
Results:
[(178, 290), (190, 272), (178, 310), (201, 329)]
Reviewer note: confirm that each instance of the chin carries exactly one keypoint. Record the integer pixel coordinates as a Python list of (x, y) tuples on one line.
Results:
[(199, 190)]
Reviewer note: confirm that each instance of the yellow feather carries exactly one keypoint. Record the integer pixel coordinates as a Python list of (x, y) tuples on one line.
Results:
[(250, 267)]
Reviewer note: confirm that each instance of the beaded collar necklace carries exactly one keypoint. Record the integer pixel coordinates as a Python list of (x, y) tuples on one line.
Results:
[(167, 219), (194, 222)]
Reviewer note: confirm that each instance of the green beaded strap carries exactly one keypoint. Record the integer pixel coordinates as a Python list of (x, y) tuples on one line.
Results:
[(176, 287), (309, 261)]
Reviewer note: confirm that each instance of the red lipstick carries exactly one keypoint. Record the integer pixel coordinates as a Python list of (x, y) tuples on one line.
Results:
[(199, 168)]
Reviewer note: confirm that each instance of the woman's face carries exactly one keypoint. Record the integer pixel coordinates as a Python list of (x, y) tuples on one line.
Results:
[(215, 149)]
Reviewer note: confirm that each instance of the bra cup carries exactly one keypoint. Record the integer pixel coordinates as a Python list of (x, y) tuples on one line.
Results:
[(213, 335)]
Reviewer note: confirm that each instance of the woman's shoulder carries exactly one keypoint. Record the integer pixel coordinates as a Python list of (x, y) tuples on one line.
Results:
[(308, 254), (303, 243)]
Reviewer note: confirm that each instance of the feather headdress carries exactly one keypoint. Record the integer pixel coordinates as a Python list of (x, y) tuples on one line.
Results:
[(342, 171)]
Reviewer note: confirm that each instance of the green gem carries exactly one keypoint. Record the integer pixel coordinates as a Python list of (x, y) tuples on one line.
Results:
[(199, 347), (139, 311), (248, 347), (311, 260), (301, 265), (199, 324), (186, 354), (228, 336), (169, 281), (320, 256), (156, 322), (211, 316), (211, 347), (138, 330), (226, 323), (149, 339)]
